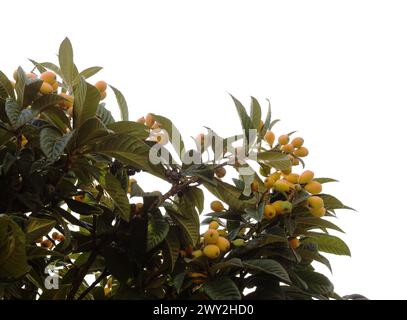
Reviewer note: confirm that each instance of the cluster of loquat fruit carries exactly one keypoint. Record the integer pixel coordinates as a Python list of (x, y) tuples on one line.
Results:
[(50, 85), (157, 134), (213, 242), (47, 243)]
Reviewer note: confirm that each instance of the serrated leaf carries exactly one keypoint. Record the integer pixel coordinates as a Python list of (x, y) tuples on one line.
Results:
[(119, 196), (86, 103), (89, 72), (52, 143), (104, 114), (230, 195), (130, 150), (65, 57), (82, 207), (37, 228), (325, 180), (222, 289), (13, 259), (318, 223), (332, 203), (186, 221), (317, 283), (171, 247), (267, 266), (130, 127), (328, 243), (255, 112), (158, 229), (121, 101), (173, 134), (6, 89), (277, 160)]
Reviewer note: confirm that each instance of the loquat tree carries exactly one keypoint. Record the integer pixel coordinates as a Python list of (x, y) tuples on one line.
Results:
[(67, 172)]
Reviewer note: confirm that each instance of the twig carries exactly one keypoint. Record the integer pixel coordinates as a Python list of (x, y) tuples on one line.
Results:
[(93, 285), (81, 275)]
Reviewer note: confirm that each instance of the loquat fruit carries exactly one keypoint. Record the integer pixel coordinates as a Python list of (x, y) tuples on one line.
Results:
[(220, 172), (306, 177), (46, 88), (102, 95), (297, 142), (318, 212), (48, 77), (282, 207), (214, 225), (283, 140), (150, 120), (315, 202), (217, 206), (211, 236), (282, 186), (293, 178), (269, 212), (269, 137), (223, 244), (211, 251), (101, 85), (301, 152), (238, 242), (196, 253), (287, 148), (294, 243), (313, 187)]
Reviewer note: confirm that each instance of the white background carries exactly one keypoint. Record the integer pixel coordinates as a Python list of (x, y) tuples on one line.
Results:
[(336, 71)]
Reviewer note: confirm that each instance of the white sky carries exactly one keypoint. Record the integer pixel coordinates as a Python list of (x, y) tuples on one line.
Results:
[(336, 71)]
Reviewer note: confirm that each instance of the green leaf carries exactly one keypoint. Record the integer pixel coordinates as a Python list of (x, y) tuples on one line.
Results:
[(276, 159), (231, 263), (51, 66), (5, 137), (37, 228), (267, 266), (65, 56), (53, 143), (158, 229), (317, 283), (90, 130), (255, 112), (121, 101), (230, 194), (328, 243), (325, 180), (35, 252), (318, 223), (171, 248), (186, 221), (88, 72), (332, 203), (129, 150), (6, 89), (13, 259), (119, 196), (82, 207), (39, 67), (131, 128), (245, 120), (314, 256), (173, 134), (195, 197), (57, 117), (267, 124), (104, 114), (18, 116), (222, 289), (86, 103)]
